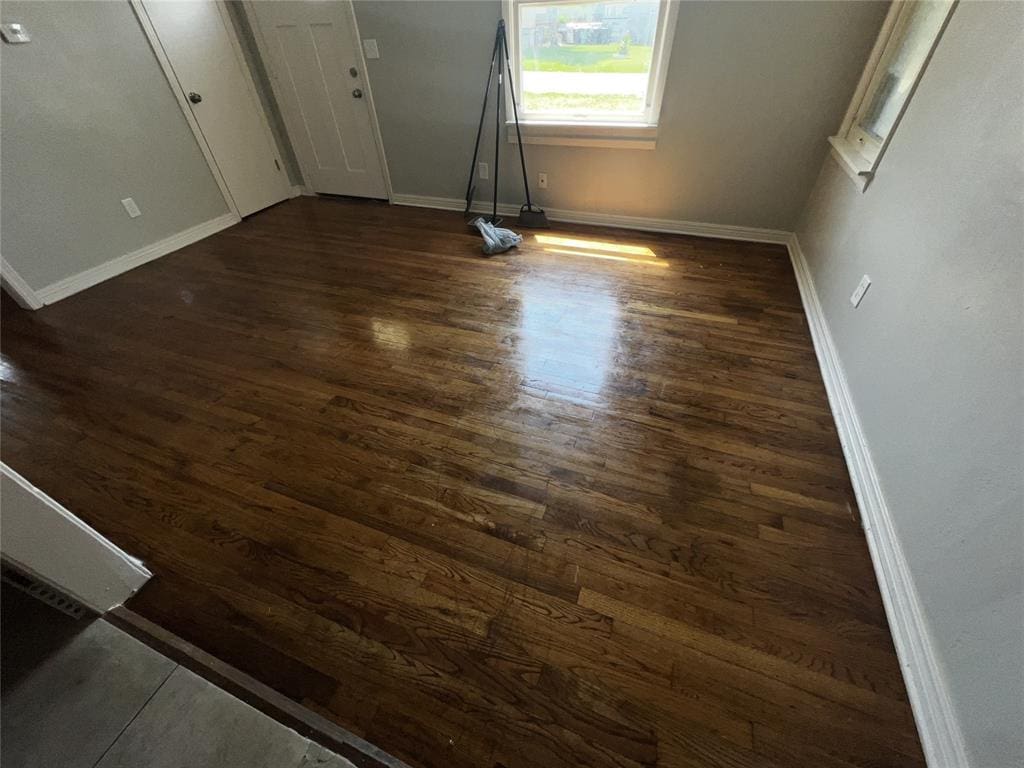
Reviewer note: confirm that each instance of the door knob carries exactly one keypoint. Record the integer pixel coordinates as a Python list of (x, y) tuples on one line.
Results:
[(357, 93), (353, 71), (194, 97)]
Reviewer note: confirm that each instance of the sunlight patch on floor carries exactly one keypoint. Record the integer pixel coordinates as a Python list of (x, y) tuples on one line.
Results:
[(387, 333), (600, 249)]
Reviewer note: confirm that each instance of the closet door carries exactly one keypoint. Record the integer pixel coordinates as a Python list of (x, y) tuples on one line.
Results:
[(201, 46)]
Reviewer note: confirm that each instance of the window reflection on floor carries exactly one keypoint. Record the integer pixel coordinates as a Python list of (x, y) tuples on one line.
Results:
[(569, 332)]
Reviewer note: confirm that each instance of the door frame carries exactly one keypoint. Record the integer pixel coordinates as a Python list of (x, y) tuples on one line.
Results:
[(42, 539), (179, 94), (262, 45)]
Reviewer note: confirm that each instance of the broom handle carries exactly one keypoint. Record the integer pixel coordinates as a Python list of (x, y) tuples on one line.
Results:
[(480, 127), (497, 122), (515, 111)]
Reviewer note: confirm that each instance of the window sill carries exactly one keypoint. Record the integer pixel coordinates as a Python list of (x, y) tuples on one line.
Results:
[(857, 167), (615, 136)]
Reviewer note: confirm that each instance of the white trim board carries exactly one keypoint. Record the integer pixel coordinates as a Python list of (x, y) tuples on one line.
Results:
[(671, 226), (937, 725), (44, 540), (20, 291), (116, 266)]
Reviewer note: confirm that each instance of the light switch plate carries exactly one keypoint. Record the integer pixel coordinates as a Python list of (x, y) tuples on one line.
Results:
[(14, 33), (131, 207), (860, 290), (370, 48)]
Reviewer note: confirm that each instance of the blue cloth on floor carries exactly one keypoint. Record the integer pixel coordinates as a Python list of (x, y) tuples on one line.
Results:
[(496, 239)]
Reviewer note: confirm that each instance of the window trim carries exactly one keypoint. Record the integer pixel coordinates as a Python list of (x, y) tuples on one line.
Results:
[(602, 132), (858, 153)]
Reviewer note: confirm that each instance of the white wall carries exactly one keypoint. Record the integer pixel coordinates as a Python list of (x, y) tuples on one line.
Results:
[(752, 89), (934, 356), (89, 119)]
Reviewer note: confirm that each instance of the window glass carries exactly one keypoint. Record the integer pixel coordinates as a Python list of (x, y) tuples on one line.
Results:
[(587, 59), (905, 55)]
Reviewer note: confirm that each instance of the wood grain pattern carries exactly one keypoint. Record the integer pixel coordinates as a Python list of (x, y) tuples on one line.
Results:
[(578, 505)]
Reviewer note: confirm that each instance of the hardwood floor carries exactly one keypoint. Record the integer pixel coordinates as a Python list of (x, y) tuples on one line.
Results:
[(582, 504)]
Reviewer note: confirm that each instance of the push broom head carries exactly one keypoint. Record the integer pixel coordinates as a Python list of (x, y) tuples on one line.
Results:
[(532, 217)]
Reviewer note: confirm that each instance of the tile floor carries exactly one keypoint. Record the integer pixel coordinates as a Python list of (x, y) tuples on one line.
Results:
[(84, 694)]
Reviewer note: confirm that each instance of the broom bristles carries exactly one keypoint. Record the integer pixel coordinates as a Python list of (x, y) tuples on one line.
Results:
[(533, 217)]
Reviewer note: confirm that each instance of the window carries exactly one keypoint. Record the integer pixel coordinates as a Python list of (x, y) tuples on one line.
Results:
[(597, 69), (909, 35)]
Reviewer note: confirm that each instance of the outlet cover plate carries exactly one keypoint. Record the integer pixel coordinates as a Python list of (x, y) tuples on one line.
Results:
[(131, 207), (14, 33), (860, 290)]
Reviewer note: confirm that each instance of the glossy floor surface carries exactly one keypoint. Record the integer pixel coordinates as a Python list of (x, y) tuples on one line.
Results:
[(582, 504)]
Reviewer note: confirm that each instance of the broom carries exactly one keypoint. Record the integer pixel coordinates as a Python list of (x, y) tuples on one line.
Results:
[(530, 215)]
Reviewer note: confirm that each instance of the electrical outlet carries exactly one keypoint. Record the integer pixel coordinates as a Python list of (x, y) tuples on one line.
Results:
[(14, 33), (542, 180), (131, 207), (371, 49), (860, 290), (483, 171)]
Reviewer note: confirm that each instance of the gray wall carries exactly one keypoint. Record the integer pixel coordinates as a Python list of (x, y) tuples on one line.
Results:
[(752, 91), (934, 353), (88, 119)]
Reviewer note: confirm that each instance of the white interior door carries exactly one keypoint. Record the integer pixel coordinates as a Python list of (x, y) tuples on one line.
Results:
[(312, 53), (210, 69)]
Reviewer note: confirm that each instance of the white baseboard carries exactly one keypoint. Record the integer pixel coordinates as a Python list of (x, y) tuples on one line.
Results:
[(90, 277), (937, 725), (298, 190), (671, 226), (21, 291)]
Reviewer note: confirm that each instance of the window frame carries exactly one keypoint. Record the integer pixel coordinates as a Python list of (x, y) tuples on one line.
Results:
[(858, 152), (576, 130)]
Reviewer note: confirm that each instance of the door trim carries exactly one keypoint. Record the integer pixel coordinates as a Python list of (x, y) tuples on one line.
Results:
[(179, 94), (262, 45), (44, 540)]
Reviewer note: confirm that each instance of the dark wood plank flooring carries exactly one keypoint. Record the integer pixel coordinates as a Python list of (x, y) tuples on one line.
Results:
[(578, 505)]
